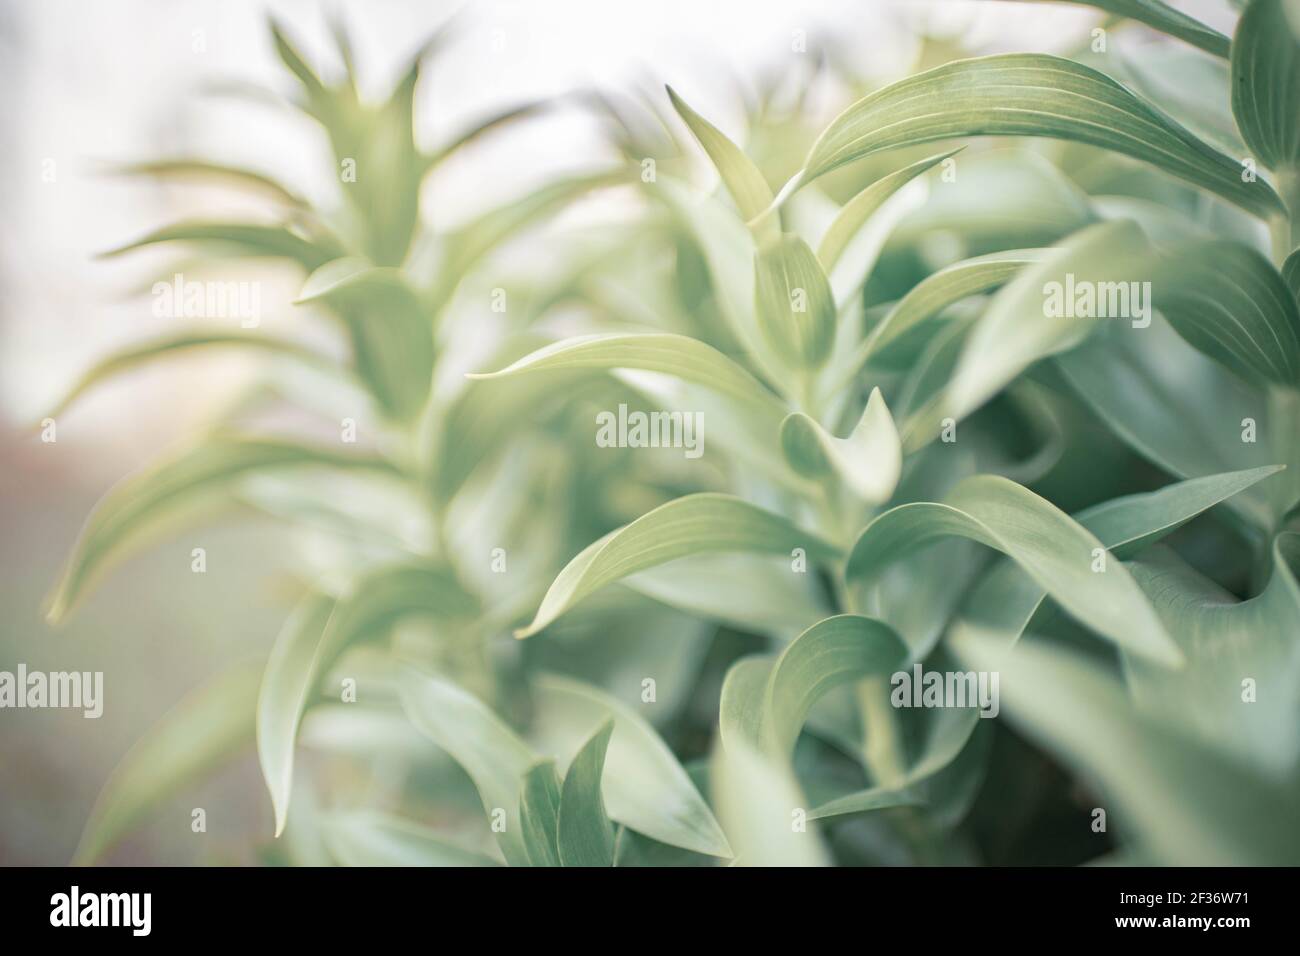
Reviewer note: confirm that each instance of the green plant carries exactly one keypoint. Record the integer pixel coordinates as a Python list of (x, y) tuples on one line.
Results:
[(879, 409)]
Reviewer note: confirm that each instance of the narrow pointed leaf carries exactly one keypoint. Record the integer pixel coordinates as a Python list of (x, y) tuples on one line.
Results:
[(493, 755), (586, 836), (1161, 16), (1028, 94), (645, 786), (679, 355), (1057, 552), (749, 190), (539, 813), (142, 501), (696, 524)]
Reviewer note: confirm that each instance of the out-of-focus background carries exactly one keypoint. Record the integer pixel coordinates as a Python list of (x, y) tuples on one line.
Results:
[(91, 84)]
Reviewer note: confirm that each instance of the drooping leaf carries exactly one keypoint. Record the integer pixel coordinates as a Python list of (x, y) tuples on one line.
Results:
[(1007, 598), (586, 836), (1058, 553), (208, 726), (1028, 94), (248, 239), (493, 755), (165, 346), (832, 652), (290, 676), (679, 355), (695, 524), (142, 501), (317, 635)]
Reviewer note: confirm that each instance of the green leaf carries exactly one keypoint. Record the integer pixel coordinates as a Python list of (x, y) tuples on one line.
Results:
[(758, 799), (1054, 550), (1027, 94), (645, 787), (1291, 273), (586, 837), (771, 712), (1266, 81), (679, 355), (1003, 342), (742, 178), (291, 673), (205, 170), (1228, 642), (539, 813), (694, 524), (246, 239), (1127, 525), (167, 345), (728, 250), (853, 215), (1229, 302), (493, 755), (370, 838), (794, 302), (390, 329), (141, 502), (1161, 16), (315, 637), (1176, 408), (1007, 598), (946, 287), (1181, 802), (208, 726), (869, 461)]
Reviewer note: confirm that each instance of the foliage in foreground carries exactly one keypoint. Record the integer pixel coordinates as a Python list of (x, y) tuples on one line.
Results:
[(910, 462)]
